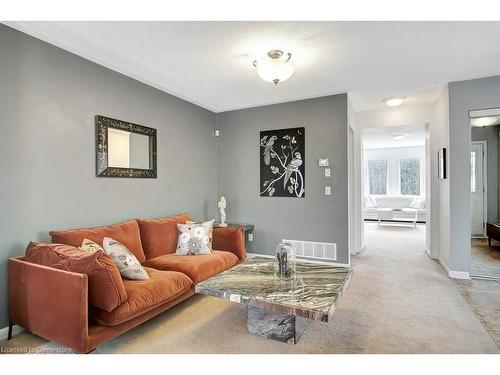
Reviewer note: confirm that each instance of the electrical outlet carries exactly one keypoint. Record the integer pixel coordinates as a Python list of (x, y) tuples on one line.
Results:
[(328, 172), (250, 237), (328, 190)]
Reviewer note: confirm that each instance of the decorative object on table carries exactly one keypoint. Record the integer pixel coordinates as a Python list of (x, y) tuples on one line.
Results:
[(284, 263), (124, 149), (194, 238), (222, 209), (442, 164), (125, 261), (282, 163), (323, 162)]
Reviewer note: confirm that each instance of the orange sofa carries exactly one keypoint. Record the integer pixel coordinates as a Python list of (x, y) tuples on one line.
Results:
[(54, 303)]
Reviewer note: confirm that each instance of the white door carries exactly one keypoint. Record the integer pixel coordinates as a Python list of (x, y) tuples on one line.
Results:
[(477, 188)]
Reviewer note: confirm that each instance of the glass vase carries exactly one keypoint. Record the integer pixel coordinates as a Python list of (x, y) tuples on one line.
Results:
[(284, 261)]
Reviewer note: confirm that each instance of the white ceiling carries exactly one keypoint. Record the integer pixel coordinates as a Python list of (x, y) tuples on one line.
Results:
[(414, 135), (210, 63)]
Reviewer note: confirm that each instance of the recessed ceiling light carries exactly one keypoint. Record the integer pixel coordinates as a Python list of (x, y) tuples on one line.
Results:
[(398, 137), (484, 121), (276, 68), (394, 102)]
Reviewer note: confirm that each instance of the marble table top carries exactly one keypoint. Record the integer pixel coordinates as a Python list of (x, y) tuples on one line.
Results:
[(313, 293)]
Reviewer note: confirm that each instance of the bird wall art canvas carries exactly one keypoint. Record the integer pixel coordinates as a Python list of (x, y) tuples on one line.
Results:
[(282, 163)]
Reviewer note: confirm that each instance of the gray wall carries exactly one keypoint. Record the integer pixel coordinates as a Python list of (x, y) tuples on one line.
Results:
[(316, 217), (490, 135), (464, 96), (48, 100)]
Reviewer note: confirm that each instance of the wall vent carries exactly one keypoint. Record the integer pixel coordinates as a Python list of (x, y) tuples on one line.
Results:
[(314, 250)]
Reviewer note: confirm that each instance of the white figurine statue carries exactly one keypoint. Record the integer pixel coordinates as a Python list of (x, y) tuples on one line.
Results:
[(222, 210)]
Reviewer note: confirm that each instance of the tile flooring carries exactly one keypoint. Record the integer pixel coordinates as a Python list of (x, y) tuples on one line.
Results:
[(485, 260)]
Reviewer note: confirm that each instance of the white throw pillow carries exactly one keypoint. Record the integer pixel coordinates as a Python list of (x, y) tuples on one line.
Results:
[(90, 246), (417, 203), (127, 263), (194, 238), (369, 203)]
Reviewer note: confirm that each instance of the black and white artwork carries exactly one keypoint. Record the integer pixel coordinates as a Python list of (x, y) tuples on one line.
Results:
[(282, 163)]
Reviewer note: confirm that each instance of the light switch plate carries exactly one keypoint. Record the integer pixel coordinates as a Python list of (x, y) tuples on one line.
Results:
[(328, 172), (323, 162), (217, 132), (250, 237), (328, 190)]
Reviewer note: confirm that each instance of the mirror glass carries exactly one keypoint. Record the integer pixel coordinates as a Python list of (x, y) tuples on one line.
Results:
[(124, 149), (484, 190), (127, 149)]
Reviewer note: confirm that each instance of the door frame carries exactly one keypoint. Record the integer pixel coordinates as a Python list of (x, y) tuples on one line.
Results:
[(485, 184)]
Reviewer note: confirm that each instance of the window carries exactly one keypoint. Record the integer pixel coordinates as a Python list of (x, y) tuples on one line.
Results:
[(409, 174), (377, 175)]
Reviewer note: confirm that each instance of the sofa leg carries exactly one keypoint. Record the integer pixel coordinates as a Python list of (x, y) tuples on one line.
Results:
[(9, 335)]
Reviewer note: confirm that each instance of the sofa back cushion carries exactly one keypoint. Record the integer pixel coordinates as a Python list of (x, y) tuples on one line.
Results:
[(126, 233), (106, 288), (159, 236), (393, 201)]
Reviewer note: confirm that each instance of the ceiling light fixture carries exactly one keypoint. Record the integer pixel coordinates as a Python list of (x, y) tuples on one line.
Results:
[(398, 137), (277, 68), (484, 121), (394, 102)]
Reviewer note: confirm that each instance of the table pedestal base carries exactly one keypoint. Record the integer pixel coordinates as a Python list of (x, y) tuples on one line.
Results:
[(274, 325)]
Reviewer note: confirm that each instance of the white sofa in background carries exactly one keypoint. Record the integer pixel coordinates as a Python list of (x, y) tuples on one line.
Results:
[(372, 202)]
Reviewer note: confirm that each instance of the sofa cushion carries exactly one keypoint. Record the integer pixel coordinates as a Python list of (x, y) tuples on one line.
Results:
[(159, 236), (145, 295), (126, 233), (230, 239), (106, 288), (199, 267)]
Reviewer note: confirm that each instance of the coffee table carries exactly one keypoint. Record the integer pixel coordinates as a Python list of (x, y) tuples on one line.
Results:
[(280, 309), (408, 215)]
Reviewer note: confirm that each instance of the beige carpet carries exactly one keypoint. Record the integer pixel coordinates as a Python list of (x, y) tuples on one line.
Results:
[(399, 301)]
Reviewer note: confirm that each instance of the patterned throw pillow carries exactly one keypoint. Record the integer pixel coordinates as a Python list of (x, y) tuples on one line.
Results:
[(195, 238), (125, 261), (90, 246)]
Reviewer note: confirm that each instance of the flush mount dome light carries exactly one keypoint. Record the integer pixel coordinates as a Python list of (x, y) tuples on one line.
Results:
[(276, 68), (398, 137), (484, 121), (394, 102)]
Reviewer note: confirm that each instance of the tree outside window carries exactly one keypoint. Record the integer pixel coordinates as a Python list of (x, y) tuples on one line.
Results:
[(409, 172), (377, 172)]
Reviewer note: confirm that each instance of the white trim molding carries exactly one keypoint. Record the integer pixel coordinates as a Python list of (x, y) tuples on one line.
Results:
[(428, 252), (4, 332), (462, 275)]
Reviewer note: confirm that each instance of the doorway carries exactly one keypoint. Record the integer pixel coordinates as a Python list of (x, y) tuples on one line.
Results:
[(485, 193), (394, 188)]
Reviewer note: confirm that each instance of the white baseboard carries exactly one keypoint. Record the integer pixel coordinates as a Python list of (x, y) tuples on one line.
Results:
[(428, 252), (4, 332), (455, 274)]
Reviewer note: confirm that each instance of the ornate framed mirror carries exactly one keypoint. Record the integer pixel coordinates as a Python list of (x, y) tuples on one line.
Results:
[(124, 149)]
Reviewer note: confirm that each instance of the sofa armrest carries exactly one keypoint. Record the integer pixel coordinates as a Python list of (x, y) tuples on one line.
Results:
[(230, 239), (49, 302)]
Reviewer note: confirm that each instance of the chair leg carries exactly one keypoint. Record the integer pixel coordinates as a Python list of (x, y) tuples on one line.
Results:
[(9, 336)]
